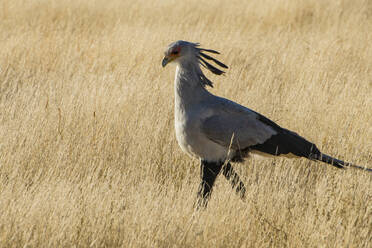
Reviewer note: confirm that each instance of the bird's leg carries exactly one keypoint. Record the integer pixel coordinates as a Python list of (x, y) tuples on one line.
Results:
[(230, 174), (208, 173)]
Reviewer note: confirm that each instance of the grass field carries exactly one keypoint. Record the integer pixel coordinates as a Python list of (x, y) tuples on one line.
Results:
[(88, 156)]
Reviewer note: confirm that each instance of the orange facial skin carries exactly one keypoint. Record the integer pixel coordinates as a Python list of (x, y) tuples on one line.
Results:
[(171, 55)]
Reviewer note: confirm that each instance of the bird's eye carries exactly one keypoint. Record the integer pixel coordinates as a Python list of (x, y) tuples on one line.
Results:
[(174, 52)]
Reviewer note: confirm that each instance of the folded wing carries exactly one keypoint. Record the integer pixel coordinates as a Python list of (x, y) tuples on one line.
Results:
[(244, 130), (237, 127)]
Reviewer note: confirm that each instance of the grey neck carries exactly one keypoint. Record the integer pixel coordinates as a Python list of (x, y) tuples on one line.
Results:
[(188, 87)]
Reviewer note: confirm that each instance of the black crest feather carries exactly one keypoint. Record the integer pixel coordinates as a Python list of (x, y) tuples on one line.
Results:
[(210, 67), (202, 57), (208, 50), (214, 60)]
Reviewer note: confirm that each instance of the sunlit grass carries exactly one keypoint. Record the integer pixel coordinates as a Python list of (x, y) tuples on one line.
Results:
[(88, 155)]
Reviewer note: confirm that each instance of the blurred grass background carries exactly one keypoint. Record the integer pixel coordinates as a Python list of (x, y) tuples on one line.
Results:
[(88, 155)]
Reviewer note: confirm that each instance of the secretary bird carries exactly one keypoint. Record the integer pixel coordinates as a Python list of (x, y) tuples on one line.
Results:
[(219, 131)]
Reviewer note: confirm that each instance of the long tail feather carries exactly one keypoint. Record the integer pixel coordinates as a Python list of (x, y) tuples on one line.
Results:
[(339, 163)]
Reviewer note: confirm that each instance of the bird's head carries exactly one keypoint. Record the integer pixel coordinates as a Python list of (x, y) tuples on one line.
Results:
[(178, 51), (187, 51)]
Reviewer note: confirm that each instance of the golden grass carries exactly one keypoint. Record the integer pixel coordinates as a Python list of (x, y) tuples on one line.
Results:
[(88, 155)]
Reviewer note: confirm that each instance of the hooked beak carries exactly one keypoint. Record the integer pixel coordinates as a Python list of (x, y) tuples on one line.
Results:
[(165, 61)]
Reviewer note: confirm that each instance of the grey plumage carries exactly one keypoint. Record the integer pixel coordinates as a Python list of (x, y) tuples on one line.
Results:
[(217, 130), (243, 124)]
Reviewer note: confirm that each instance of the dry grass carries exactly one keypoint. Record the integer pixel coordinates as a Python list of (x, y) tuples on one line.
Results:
[(88, 153)]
